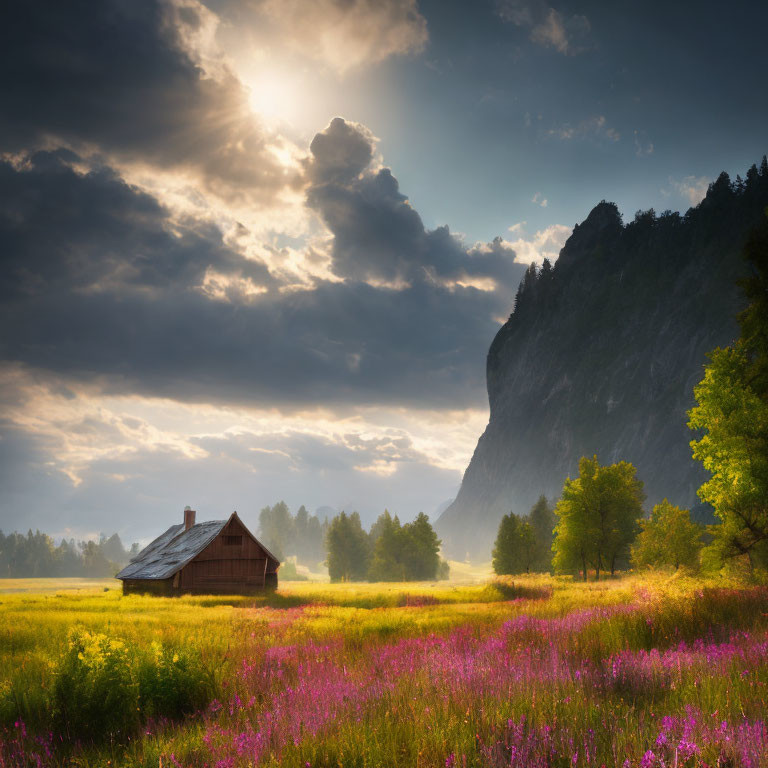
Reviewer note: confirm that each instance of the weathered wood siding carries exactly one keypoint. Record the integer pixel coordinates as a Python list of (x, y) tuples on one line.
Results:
[(232, 563)]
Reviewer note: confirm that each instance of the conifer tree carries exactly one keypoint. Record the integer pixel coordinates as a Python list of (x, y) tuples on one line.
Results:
[(542, 520), (347, 547), (276, 530), (514, 550), (386, 564), (423, 548), (505, 548), (407, 552)]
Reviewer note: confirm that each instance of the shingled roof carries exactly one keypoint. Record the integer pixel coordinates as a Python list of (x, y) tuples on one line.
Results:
[(171, 551)]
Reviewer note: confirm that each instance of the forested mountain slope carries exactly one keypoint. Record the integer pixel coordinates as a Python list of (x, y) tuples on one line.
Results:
[(601, 354)]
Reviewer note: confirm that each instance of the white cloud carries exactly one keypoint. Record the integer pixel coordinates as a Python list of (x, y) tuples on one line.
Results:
[(692, 188), (544, 244), (346, 35), (539, 199)]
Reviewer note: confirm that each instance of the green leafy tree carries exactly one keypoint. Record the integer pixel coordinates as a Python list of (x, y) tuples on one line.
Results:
[(347, 547), (668, 537), (731, 416), (597, 517), (734, 450), (514, 550)]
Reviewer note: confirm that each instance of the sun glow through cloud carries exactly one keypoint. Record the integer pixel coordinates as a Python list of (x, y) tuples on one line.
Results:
[(276, 96)]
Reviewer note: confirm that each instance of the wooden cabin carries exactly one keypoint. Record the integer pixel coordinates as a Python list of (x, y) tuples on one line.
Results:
[(215, 557)]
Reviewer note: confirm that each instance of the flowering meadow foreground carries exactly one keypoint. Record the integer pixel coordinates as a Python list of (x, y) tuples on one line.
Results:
[(639, 672)]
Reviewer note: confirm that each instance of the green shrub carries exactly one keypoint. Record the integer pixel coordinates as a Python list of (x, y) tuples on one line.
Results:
[(105, 690), (95, 691), (173, 683)]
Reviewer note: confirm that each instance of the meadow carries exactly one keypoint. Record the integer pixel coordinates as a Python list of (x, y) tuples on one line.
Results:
[(638, 672)]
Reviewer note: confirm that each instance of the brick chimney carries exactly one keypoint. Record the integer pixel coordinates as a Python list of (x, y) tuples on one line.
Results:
[(189, 518)]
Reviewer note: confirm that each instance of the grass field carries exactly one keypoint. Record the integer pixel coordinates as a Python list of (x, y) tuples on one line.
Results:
[(653, 671)]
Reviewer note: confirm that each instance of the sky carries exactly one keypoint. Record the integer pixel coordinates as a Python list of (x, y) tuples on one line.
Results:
[(255, 250)]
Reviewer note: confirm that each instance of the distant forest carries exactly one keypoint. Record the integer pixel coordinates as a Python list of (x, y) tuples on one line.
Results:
[(36, 555), (390, 551)]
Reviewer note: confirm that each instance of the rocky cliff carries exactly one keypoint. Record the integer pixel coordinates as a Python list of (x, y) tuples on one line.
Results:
[(601, 354)]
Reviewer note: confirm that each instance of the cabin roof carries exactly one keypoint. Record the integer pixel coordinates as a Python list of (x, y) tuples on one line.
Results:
[(172, 550)]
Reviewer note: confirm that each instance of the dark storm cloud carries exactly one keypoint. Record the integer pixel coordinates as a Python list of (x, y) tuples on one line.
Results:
[(114, 76), (377, 234), (65, 234), (99, 282), (340, 153)]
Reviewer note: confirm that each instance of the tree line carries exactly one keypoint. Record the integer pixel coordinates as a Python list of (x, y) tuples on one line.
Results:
[(389, 551), (36, 555), (598, 522), (598, 525), (301, 535)]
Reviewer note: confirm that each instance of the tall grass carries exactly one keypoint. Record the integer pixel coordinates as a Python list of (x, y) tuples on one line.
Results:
[(537, 671)]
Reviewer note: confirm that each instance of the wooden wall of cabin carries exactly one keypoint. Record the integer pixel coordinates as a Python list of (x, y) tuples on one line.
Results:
[(232, 563), (148, 587)]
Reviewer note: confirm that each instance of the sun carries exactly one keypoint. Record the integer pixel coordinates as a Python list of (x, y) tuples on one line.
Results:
[(275, 95)]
